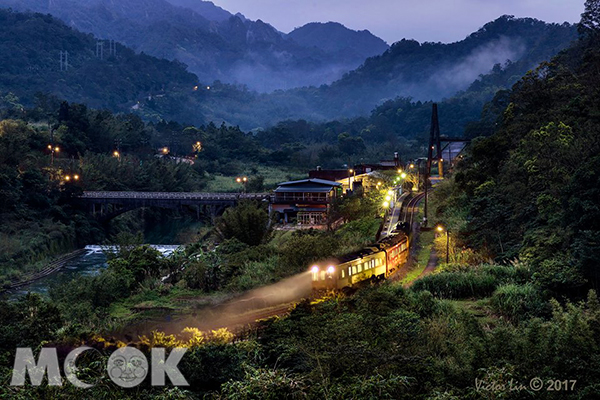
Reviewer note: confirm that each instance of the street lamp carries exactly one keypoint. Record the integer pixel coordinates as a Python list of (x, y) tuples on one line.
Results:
[(351, 184), (165, 150), (53, 149), (197, 147), (403, 175), (242, 180), (441, 229)]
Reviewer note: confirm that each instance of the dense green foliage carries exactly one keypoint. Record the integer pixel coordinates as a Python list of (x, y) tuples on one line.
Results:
[(530, 190)]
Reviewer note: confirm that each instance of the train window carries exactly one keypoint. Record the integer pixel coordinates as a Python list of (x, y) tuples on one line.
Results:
[(343, 274), (359, 267), (322, 275)]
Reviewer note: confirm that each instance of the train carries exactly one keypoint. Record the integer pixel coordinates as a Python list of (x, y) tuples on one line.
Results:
[(375, 262)]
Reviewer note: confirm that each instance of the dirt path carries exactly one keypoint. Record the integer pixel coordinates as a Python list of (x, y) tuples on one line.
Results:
[(431, 265)]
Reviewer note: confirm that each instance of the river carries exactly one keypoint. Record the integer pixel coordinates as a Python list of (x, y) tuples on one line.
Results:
[(88, 264)]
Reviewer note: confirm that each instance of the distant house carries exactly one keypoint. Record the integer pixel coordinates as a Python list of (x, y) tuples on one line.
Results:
[(305, 202)]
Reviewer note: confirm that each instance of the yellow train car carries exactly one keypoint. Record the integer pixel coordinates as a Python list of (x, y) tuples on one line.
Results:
[(377, 262)]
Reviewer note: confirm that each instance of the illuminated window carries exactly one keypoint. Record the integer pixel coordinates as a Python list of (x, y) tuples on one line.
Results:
[(322, 275), (343, 274)]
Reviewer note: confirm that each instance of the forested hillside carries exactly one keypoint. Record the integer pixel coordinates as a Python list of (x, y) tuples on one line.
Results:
[(156, 89), (335, 38), (530, 190), (233, 50)]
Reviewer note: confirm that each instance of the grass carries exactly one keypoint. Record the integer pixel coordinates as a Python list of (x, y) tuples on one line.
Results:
[(425, 243), (272, 176), (479, 309)]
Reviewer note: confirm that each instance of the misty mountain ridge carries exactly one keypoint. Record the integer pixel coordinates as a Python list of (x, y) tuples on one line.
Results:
[(156, 89), (433, 71), (214, 44), (334, 37), (207, 9)]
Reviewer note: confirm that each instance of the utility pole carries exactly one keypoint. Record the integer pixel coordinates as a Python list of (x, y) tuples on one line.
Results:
[(100, 49), (112, 48), (64, 60)]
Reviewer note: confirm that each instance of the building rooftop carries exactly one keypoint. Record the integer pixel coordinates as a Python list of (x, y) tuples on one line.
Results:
[(307, 185)]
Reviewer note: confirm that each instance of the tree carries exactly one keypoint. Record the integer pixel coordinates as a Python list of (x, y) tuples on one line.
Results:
[(248, 222), (590, 19)]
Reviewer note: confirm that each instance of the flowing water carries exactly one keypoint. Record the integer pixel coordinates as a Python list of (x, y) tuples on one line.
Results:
[(88, 264)]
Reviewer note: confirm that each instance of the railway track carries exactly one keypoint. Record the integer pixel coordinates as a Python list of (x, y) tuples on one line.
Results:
[(412, 209)]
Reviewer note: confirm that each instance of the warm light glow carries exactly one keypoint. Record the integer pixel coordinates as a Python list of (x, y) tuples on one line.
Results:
[(399, 171), (76, 177), (386, 204), (440, 228), (195, 87), (390, 192), (388, 198), (116, 153), (351, 170), (238, 180), (411, 166), (314, 269), (208, 88), (49, 147), (56, 149), (403, 175), (165, 150), (330, 269), (67, 178), (378, 183), (245, 179)]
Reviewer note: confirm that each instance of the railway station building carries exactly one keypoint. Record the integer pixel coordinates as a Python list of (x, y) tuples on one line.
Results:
[(305, 202)]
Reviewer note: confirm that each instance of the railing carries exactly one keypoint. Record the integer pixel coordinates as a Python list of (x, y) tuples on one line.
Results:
[(175, 195), (301, 197)]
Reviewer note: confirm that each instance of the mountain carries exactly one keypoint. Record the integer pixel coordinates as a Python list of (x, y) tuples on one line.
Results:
[(156, 89), (205, 8), (507, 48), (33, 44), (335, 38), (233, 50)]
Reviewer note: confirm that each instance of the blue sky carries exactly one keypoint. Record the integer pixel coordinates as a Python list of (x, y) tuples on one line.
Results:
[(392, 20)]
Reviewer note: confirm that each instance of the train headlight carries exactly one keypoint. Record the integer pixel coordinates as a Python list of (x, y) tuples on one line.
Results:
[(330, 269), (315, 269)]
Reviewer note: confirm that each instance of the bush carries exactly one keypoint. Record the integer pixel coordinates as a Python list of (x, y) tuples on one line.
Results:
[(458, 285), (519, 302), (304, 248)]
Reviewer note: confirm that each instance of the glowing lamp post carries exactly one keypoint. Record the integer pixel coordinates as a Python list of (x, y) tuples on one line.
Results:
[(53, 149), (441, 229)]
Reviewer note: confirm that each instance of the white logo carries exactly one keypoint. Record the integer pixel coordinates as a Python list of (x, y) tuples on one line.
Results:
[(126, 367)]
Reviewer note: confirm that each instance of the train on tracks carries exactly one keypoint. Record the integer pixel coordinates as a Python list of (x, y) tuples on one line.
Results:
[(375, 262)]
